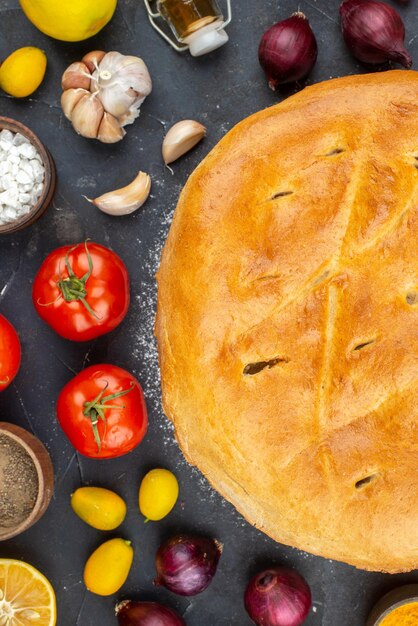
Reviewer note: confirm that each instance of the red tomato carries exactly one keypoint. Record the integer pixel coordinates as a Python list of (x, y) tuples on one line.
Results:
[(10, 353), (102, 411), (82, 291)]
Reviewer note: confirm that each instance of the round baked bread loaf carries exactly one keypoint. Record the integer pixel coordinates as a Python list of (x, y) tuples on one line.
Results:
[(287, 320)]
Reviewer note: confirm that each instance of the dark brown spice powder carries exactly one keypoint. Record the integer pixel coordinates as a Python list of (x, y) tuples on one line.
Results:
[(18, 483)]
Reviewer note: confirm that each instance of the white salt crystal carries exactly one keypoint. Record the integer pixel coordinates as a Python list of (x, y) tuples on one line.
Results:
[(5, 146), (19, 139), (6, 135), (27, 150), (23, 178), (7, 181)]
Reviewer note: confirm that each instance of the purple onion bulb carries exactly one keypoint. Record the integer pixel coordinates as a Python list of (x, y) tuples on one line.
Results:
[(374, 32), (278, 597), (187, 564), (288, 50), (131, 613)]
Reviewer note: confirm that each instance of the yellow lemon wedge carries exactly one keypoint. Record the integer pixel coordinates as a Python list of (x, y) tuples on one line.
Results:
[(26, 596), (23, 71), (69, 20)]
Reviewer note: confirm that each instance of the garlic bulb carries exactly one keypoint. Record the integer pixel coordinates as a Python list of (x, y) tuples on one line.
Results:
[(122, 83), (116, 86)]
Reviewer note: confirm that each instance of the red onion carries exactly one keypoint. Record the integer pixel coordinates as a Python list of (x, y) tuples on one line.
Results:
[(146, 614), (374, 32), (278, 597), (186, 564), (288, 50)]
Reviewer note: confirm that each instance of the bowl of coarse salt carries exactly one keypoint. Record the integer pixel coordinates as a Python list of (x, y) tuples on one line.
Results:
[(27, 176)]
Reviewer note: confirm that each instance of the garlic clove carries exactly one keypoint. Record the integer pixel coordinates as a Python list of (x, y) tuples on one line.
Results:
[(137, 76), (110, 131), (115, 100), (181, 138), (87, 116), (127, 199), (77, 75), (92, 59), (70, 99)]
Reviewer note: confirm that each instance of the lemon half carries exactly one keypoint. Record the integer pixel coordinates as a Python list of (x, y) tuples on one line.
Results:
[(26, 596)]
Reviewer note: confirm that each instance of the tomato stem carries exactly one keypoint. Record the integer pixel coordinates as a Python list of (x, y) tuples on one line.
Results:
[(95, 409), (74, 288)]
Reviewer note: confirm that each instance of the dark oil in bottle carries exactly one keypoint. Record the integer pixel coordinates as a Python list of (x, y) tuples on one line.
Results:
[(187, 16)]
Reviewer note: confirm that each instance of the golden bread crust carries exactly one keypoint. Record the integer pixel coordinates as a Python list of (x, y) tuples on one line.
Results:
[(288, 314)]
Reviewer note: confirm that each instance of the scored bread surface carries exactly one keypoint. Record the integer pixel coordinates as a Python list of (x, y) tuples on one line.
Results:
[(287, 320)]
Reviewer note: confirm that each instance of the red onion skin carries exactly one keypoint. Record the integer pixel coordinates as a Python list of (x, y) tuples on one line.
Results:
[(288, 50), (131, 613), (187, 564), (374, 32), (278, 597)]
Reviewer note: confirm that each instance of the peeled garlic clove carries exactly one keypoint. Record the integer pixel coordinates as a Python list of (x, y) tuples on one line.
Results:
[(110, 131), (77, 75), (87, 116), (92, 59), (181, 138), (126, 200), (70, 99)]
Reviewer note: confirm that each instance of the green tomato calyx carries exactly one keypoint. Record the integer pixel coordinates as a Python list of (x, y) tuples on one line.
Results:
[(72, 288), (95, 409)]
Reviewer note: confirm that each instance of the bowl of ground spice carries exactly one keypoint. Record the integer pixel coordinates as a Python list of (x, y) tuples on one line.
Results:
[(26, 480), (27, 176), (399, 607)]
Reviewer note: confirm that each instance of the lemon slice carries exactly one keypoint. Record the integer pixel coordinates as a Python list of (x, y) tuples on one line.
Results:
[(26, 596)]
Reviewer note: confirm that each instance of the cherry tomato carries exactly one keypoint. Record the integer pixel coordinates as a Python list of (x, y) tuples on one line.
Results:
[(102, 411), (82, 291), (10, 353)]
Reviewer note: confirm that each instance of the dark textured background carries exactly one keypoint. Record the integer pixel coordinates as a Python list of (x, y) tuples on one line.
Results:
[(219, 90)]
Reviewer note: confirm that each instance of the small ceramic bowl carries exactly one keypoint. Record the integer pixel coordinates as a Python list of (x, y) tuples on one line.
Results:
[(393, 600), (49, 183), (45, 474)]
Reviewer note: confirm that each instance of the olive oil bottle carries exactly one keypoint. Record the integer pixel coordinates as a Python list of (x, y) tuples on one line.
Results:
[(196, 23), (187, 16)]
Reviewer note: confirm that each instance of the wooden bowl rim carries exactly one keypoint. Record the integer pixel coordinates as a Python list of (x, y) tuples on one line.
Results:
[(44, 471), (49, 182)]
